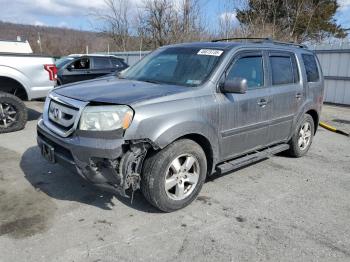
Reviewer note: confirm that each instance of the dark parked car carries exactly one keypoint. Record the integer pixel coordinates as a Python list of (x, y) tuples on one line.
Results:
[(78, 68), (183, 113)]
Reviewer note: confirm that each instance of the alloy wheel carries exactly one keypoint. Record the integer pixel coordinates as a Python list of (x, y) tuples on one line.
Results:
[(304, 136), (182, 177), (8, 115)]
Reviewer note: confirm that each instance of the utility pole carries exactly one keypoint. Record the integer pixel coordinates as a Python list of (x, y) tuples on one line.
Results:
[(187, 6), (39, 43), (141, 42)]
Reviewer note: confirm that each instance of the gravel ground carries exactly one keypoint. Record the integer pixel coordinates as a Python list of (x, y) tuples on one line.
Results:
[(280, 209)]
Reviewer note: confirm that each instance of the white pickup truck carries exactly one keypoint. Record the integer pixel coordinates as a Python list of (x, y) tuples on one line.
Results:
[(22, 78)]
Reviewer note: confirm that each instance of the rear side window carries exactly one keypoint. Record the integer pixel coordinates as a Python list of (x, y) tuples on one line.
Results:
[(311, 68), (102, 63), (284, 70), (250, 68)]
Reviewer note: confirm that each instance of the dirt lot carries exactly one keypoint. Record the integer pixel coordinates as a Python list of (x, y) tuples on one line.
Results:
[(280, 209)]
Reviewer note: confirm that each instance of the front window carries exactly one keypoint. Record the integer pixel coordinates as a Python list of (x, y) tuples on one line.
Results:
[(251, 68), (81, 64), (176, 65)]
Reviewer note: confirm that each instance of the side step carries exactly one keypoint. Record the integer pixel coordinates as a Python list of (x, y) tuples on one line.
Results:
[(250, 158)]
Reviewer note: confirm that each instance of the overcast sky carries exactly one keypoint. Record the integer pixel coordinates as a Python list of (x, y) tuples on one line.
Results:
[(77, 14)]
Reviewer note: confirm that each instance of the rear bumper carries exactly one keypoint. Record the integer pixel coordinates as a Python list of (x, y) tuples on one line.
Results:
[(97, 160)]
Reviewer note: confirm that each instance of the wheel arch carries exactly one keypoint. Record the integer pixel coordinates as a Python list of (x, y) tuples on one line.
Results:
[(313, 113), (13, 86), (202, 134), (205, 144)]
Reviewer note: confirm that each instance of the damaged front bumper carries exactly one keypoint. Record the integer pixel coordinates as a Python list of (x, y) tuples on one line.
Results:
[(112, 164)]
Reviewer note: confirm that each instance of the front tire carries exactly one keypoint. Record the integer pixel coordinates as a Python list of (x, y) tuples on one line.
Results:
[(302, 139), (13, 113), (173, 177)]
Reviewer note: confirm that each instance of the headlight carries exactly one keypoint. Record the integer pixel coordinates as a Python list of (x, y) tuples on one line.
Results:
[(106, 118)]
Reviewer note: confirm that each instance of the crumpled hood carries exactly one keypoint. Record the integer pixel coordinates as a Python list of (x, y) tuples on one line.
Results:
[(117, 91)]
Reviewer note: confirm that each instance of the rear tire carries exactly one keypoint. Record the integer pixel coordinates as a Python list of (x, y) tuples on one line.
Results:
[(13, 113), (173, 177), (302, 138)]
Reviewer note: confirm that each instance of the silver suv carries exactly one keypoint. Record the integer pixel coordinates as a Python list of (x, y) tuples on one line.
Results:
[(183, 113)]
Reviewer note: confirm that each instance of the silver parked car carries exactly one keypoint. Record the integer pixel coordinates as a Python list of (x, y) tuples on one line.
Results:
[(183, 113)]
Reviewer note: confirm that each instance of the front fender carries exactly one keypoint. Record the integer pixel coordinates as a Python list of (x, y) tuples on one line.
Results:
[(178, 130), (175, 131), (164, 124)]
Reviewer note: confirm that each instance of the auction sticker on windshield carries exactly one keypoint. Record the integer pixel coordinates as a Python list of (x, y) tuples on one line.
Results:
[(211, 52)]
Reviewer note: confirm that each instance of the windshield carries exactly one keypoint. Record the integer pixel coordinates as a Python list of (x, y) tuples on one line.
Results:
[(175, 65), (63, 61)]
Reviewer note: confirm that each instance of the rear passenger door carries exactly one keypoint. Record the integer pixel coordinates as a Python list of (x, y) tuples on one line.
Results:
[(100, 67), (287, 94)]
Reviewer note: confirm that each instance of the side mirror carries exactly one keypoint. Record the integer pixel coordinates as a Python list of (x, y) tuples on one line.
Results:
[(236, 85)]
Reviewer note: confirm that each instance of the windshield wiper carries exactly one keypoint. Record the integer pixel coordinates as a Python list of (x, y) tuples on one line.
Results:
[(150, 81)]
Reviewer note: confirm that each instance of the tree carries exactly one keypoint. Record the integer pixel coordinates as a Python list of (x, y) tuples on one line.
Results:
[(161, 22), (157, 22), (296, 20), (116, 21)]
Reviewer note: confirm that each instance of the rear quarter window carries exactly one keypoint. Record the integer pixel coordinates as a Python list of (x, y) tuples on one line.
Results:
[(311, 68)]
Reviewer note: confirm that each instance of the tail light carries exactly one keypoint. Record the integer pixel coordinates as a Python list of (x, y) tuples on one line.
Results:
[(52, 69)]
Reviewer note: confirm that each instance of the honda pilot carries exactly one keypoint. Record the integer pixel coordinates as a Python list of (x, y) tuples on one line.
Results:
[(183, 113)]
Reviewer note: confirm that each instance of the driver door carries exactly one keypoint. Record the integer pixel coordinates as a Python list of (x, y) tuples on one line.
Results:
[(245, 117)]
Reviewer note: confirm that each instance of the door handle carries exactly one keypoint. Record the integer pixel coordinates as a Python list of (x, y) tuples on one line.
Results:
[(298, 96), (262, 103)]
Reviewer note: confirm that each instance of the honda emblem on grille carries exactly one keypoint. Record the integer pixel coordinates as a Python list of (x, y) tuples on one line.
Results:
[(57, 114)]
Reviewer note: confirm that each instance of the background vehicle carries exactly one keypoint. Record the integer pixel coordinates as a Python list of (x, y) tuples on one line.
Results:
[(61, 62), (22, 77), (184, 112), (78, 68)]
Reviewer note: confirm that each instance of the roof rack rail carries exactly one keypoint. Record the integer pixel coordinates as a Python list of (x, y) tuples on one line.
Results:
[(257, 39), (290, 43), (260, 40)]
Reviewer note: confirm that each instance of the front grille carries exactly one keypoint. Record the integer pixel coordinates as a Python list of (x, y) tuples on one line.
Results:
[(61, 114)]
